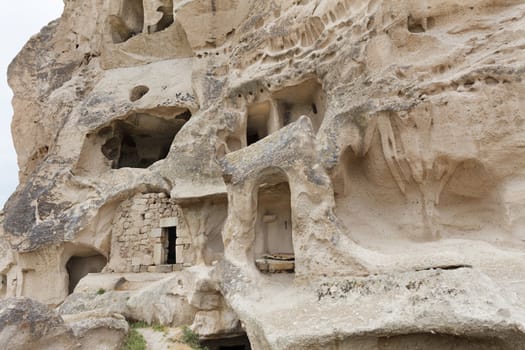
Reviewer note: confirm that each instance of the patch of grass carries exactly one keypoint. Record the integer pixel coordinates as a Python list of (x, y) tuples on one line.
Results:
[(139, 324), (191, 339), (135, 341), (159, 328), (101, 291)]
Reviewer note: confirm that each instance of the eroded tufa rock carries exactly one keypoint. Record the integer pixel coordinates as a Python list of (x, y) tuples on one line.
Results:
[(311, 174)]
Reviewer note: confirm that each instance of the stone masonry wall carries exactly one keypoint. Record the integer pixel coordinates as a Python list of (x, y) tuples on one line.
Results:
[(132, 243)]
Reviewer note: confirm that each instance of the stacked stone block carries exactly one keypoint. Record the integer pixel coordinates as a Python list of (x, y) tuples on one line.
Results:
[(136, 230)]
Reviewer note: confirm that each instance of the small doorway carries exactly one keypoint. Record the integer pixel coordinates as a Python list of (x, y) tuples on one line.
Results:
[(79, 266), (274, 251), (172, 245), (257, 124)]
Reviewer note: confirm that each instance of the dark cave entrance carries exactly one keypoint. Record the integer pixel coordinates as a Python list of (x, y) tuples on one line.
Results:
[(79, 266), (239, 342), (257, 124), (141, 139)]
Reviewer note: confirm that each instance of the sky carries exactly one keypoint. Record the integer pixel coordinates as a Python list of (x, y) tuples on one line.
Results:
[(19, 20)]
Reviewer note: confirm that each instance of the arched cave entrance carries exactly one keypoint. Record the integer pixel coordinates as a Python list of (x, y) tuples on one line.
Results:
[(78, 266), (273, 248)]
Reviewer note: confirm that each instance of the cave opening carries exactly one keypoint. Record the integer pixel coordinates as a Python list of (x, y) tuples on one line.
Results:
[(138, 92), (237, 342), (257, 126), (132, 17), (3, 285), (79, 266), (273, 247), (420, 25), (285, 107), (128, 23), (306, 98), (140, 140)]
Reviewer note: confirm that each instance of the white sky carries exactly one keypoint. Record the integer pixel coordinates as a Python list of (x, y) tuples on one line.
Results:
[(19, 20)]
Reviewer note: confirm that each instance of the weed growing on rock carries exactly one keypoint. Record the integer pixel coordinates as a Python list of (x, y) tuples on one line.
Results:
[(191, 339), (159, 328), (135, 340)]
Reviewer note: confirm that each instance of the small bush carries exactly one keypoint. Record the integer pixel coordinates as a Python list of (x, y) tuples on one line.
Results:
[(159, 328), (191, 339), (101, 291), (135, 341)]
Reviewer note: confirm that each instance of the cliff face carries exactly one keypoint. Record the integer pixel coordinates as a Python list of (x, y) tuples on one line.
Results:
[(185, 151)]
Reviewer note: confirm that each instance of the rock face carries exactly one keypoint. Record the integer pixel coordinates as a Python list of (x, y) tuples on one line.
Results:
[(28, 324), (175, 154)]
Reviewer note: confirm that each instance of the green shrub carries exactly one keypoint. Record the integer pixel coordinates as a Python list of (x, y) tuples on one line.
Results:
[(135, 341), (101, 291), (191, 339), (159, 328)]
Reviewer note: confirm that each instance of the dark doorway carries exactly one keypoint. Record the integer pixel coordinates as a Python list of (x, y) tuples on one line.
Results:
[(79, 266), (240, 342), (172, 244), (257, 125)]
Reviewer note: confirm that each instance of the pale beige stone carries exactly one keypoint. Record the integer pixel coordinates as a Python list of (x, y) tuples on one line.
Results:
[(168, 222), (370, 151)]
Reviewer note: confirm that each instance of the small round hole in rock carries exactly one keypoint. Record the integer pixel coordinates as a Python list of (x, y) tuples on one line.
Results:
[(138, 92)]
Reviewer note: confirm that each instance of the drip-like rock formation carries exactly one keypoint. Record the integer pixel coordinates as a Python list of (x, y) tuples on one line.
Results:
[(336, 174)]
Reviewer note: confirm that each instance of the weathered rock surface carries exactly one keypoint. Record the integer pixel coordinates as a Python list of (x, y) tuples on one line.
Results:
[(458, 307), (28, 324), (98, 331), (190, 297), (374, 146)]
